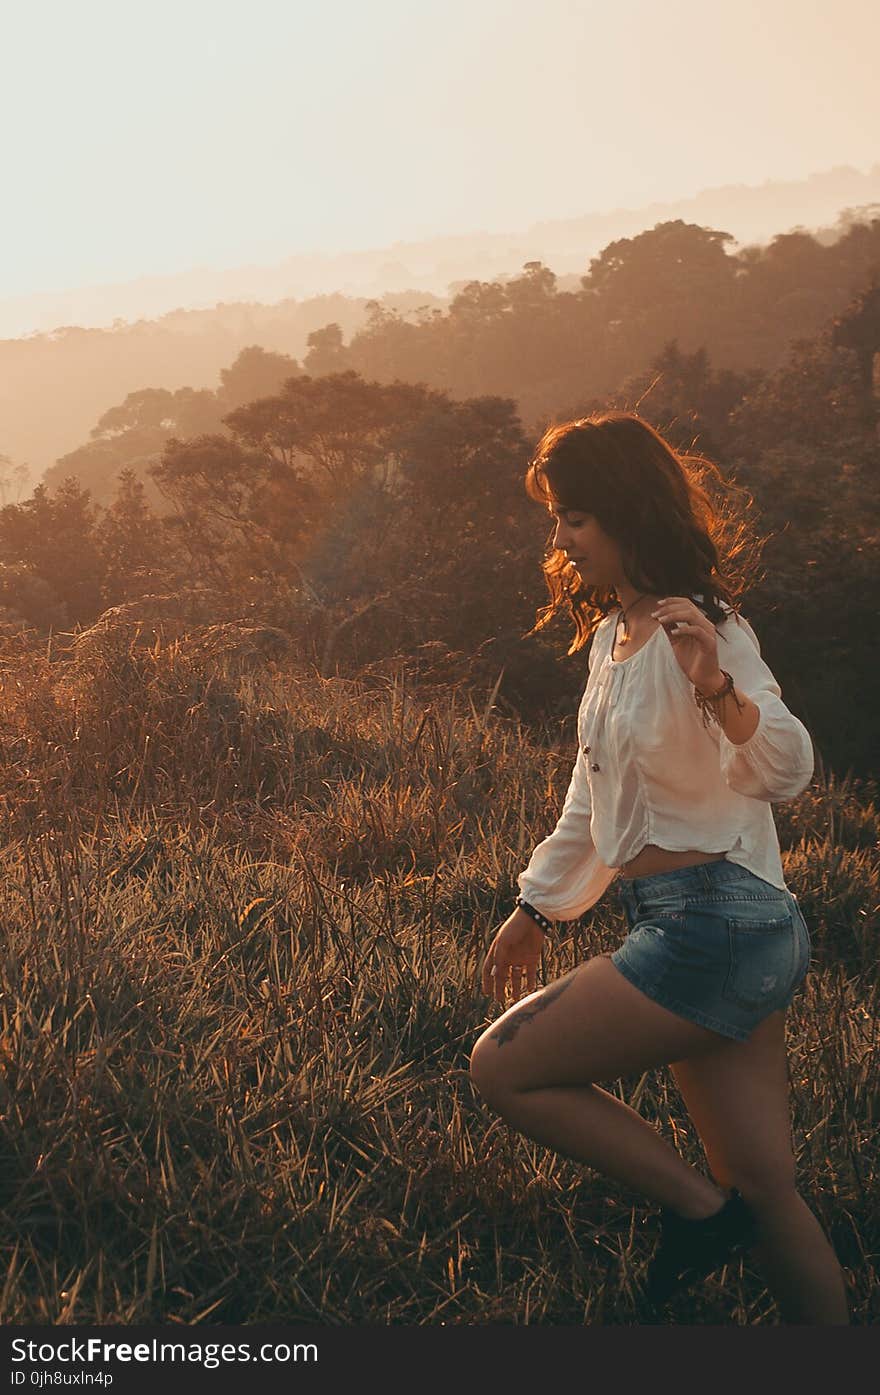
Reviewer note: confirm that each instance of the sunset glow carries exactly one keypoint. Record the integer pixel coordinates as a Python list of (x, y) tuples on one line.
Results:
[(160, 139)]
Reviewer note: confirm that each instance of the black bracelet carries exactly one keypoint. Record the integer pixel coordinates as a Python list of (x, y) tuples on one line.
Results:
[(545, 924)]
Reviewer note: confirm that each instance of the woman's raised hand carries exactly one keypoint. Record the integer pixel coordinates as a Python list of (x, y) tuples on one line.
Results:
[(693, 637), (515, 950)]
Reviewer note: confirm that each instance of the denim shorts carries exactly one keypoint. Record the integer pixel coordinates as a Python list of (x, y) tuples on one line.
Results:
[(713, 943)]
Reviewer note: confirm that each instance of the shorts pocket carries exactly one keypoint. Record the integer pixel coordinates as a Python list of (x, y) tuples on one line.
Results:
[(672, 907), (764, 958), (739, 894)]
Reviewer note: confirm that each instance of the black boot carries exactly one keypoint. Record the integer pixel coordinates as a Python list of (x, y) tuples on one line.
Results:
[(688, 1250)]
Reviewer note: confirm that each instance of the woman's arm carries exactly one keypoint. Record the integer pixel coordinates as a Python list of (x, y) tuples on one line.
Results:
[(766, 752), (565, 875)]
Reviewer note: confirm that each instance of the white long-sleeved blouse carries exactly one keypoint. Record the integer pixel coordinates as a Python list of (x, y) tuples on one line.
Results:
[(649, 771)]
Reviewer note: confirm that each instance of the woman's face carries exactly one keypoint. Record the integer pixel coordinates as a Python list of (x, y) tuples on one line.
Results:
[(596, 555)]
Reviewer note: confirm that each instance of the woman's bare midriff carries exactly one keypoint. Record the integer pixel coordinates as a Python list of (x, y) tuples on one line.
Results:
[(651, 859)]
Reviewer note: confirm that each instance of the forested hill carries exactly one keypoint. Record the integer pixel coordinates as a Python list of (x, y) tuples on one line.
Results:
[(550, 351), (54, 386), (368, 501)]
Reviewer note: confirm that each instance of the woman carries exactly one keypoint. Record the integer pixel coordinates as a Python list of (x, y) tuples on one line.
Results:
[(683, 743)]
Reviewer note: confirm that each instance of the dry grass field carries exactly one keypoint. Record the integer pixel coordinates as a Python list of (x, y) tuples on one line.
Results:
[(243, 912)]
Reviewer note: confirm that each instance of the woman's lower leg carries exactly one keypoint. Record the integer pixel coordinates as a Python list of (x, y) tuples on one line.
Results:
[(587, 1124), (798, 1262)]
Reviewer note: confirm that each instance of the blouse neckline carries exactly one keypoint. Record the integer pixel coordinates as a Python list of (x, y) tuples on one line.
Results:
[(628, 660)]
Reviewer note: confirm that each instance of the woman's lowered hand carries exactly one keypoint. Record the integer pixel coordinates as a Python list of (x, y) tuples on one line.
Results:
[(515, 950)]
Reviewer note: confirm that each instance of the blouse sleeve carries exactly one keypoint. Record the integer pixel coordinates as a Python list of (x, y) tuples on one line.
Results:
[(565, 875), (776, 762)]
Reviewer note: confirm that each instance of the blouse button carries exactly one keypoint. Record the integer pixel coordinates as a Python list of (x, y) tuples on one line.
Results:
[(586, 750), (594, 767)]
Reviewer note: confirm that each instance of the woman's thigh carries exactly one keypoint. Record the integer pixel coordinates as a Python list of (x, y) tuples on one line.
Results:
[(738, 1099), (590, 1025)]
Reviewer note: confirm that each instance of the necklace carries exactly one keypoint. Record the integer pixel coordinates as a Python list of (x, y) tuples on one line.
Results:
[(624, 612)]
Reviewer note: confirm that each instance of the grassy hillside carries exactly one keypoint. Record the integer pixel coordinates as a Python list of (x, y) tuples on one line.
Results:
[(244, 910)]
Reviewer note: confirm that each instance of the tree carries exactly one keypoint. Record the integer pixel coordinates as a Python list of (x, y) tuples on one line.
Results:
[(682, 396), (129, 539), (158, 409), (661, 266), (55, 538), (338, 422), (5, 475), (858, 329), (26, 599), (533, 290), (236, 512), (132, 434), (325, 351), (814, 398), (255, 373), (479, 302)]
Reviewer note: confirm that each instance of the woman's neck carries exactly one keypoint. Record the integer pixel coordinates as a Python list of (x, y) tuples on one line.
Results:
[(627, 595)]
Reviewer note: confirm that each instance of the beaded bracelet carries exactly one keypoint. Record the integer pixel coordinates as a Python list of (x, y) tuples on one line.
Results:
[(545, 924), (707, 704)]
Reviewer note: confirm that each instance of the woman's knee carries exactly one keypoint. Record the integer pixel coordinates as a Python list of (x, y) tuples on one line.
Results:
[(488, 1073)]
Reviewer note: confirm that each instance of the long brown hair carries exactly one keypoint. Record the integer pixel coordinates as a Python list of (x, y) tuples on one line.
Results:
[(681, 527)]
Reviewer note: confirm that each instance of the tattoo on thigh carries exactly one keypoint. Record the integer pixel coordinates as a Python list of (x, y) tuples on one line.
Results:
[(508, 1030)]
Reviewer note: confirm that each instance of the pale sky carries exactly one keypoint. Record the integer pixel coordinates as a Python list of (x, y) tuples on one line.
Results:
[(142, 138)]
